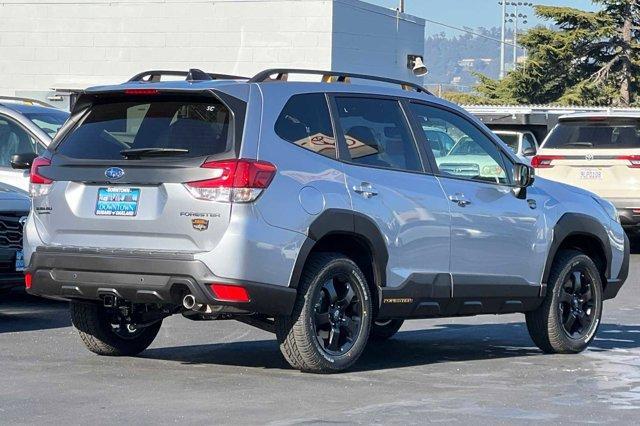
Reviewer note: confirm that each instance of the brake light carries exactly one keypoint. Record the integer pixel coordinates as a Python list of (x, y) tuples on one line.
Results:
[(239, 181), (27, 280), (141, 92), (634, 160), (230, 293), (38, 184), (544, 161)]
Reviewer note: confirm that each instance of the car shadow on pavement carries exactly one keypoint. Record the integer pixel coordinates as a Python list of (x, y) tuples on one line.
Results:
[(444, 343), (635, 244), (22, 312)]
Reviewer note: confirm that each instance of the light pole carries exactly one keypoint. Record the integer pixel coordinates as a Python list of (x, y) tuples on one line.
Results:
[(502, 36), (513, 18)]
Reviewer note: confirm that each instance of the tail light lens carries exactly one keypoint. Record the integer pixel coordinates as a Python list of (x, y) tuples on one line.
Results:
[(233, 181), (634, 160), (38, 184), (544, 161), (27, 280), (230, 293)]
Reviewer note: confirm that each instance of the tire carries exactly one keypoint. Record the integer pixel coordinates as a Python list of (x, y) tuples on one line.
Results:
[(98, 335), (563, 305), (332, 295), (384, 330)]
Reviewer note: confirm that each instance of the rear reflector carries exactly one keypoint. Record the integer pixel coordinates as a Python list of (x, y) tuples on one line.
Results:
[(544, 161), (634, 160), (27, 280), (141, 92), (230, 293), (239, 181)]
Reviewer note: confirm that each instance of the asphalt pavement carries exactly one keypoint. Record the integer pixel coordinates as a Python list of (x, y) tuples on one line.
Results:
[(474, 370)]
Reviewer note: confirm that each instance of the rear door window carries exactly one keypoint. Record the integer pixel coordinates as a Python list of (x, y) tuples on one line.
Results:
[(377, 133), (200, 126), (305, 121), (605, 134)]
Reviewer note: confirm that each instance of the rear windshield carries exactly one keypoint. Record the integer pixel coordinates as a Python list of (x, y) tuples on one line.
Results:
[(200, 126), (610, 134)]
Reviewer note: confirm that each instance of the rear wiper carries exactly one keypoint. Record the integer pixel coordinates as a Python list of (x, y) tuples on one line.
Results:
[(589, 144), (152, 152)]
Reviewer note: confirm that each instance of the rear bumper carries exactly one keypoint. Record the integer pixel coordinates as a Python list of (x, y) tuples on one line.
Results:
[(142, 277), (614, 285), (629, 219)]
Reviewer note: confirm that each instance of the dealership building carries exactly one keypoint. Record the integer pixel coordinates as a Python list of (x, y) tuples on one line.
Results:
[(72, 44)]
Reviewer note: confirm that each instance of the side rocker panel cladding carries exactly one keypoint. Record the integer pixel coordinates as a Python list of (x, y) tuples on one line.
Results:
[(339, 221), (572, 224)]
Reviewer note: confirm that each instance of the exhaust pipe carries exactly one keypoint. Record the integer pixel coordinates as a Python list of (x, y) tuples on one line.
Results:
[(189, 302)]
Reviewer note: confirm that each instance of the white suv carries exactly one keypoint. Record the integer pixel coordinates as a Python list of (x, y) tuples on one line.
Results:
[(600, 153)]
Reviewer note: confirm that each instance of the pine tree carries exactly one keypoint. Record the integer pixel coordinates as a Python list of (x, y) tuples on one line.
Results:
[(588, 58)]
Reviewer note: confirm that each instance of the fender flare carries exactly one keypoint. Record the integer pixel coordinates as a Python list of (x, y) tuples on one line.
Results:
[(571, 224), (347, 222)]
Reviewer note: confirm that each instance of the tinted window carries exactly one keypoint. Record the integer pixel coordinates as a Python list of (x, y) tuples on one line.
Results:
[(377, 133), (473, 156), (15, 140), (511, 140), (528, 144), (305, 121), (200, 126), (609, 134)]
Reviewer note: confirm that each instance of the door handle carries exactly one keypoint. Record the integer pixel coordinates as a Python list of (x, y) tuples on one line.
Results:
[(365, 189), (459, 199)]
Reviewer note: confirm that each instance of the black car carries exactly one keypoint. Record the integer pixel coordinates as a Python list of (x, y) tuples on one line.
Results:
[(14, 206)]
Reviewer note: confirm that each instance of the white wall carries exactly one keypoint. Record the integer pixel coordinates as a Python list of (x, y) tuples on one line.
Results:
[(71, 43)]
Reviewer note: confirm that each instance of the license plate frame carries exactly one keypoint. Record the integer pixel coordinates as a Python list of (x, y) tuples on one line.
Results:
[(119, 201), (590, 173)]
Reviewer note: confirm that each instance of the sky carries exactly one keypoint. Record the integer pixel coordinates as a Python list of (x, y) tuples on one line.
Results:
[(469, 13)]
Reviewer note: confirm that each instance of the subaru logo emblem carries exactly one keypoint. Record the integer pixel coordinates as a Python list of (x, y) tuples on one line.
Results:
[(114, 173)]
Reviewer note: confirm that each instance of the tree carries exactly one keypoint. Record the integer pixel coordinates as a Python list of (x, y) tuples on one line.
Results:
[(587, 58)]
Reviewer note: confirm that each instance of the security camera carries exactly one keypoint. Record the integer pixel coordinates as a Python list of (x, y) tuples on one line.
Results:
[(416, 65)]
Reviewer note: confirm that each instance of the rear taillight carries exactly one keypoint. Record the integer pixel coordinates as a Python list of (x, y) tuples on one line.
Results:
[(233, 181), (27, 280), (230, 293), (544, 161), (141, 92), (634, 160), (38, 184)]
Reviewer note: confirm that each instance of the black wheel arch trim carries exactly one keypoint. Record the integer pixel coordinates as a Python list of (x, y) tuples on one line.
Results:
[(577, 224), (347, 222)]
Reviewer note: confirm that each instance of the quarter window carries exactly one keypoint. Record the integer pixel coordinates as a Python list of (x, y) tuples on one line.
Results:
[(305, 121), (472, 156), (377, 133)]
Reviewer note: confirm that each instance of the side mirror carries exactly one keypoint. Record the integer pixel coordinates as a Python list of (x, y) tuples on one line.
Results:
[(523, 175), (23, 161), (529, 152)]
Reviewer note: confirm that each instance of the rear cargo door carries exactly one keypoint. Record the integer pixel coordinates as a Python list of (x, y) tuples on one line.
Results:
[(118, 178)]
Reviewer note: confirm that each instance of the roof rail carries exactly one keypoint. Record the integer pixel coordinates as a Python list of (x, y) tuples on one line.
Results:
[(330, 76), (14, 99), (192, 75)]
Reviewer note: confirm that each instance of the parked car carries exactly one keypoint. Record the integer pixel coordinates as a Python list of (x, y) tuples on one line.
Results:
[(26, 126), (316, 211), (523, 143), (14, 208), (599, 152)]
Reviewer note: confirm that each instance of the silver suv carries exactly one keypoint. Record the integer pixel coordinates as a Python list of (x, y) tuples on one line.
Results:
[(322, 212)]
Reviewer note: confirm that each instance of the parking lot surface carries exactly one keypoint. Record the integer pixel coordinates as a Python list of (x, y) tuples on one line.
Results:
[(478, 369)]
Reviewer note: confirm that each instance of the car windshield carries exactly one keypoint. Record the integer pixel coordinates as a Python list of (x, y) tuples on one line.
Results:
[(603, 134), (50, 122), (511, 139), (171, 125)]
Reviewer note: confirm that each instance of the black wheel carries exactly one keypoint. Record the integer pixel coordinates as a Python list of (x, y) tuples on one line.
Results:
[(103, 336), (330, 323), (568, 319), (384, 329)]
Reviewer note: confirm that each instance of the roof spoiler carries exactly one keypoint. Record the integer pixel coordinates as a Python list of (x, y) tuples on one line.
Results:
[(282, 74)]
